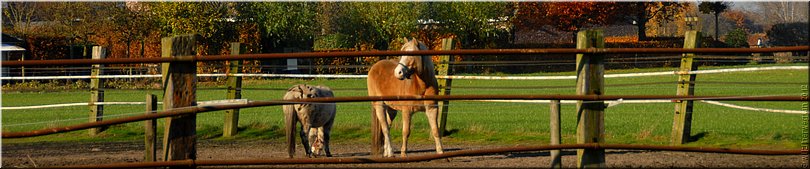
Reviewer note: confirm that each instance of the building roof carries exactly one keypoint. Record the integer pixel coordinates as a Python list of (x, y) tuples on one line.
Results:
[(8, 39), (9, 43)]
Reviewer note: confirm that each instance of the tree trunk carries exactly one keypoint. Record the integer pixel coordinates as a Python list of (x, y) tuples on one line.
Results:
[(716, 26), (129, 45), (641, 21), (641, 24)]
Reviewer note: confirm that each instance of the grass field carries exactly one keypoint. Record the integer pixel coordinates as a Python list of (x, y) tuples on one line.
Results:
[(469, 121)]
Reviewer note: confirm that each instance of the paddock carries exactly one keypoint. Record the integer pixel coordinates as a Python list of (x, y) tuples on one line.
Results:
[(456, 100)]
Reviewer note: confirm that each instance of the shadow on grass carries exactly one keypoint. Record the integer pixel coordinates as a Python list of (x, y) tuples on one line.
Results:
[(697, 136), (450, 132)]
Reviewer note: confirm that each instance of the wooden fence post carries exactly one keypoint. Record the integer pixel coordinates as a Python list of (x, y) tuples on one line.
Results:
[(96, 90), (590, 115), (234, 92), (556, 158), (150, 130), (179, 90), (682, 124), (444, 83)]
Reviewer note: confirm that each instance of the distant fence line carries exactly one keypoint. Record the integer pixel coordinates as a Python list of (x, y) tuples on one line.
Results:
[(437, 76), (399, 53)]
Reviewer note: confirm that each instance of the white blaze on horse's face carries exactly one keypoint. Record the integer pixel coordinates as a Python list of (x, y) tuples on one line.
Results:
[(405, 66)]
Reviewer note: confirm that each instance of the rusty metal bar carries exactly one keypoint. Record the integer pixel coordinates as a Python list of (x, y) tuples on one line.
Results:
[(201, 109), (428, 157), (396, 53)]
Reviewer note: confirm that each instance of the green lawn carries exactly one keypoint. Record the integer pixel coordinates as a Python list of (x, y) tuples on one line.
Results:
[(469, 121)]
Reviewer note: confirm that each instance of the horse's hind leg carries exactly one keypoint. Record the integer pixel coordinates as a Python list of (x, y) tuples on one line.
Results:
[(406, 131), (379, 109), (433, 117)]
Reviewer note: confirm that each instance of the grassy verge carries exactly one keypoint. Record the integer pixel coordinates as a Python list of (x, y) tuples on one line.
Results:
[(469, 122)]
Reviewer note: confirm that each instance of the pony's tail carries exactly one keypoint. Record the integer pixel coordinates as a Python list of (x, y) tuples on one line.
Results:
[(290, 120), (376, 132)]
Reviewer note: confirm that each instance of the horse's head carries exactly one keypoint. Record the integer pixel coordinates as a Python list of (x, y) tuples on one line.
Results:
[(408, 64), (304, 92)]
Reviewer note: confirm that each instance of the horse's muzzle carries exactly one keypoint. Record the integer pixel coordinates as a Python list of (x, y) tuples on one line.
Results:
[(405, 71)]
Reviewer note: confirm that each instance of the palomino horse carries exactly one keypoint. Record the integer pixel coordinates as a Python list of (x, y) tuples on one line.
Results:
[(412, 75), (316, 119)]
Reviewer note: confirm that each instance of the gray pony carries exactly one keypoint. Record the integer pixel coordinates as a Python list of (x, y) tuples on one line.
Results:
[(316, 119)]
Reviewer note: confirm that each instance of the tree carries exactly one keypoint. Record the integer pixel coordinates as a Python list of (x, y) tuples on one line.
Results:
[(641, 13), (472, 22), (210, 20), (788, 34), (716, 8), (784, 11), (18, 16), (565, 16), (378, 23), (282, 24), (737, 38), (130, 25)]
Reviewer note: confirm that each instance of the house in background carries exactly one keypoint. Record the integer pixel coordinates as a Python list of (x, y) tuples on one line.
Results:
[(11, 50)]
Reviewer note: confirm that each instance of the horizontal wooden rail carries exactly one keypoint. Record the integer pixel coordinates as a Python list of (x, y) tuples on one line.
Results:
[(201, 109), (428, 157), (396, 53)]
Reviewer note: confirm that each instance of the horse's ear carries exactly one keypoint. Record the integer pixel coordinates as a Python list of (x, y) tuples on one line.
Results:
[(292, 88), (406, 39)]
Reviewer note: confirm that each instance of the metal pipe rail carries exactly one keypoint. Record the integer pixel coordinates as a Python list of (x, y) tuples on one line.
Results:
[(202, 109), (419, 158), (396, 53)]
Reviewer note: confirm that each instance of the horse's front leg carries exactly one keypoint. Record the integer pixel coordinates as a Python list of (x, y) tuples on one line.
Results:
[(406, 131), (304, 135), (315, 135), (432, 112)]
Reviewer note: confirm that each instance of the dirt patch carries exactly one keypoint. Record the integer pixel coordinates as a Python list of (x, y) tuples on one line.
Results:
[(62, 154)]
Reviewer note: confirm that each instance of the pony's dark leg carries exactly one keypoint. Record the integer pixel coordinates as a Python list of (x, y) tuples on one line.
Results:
[(406, 131), (304, 141), (432, 112), (327, 130)]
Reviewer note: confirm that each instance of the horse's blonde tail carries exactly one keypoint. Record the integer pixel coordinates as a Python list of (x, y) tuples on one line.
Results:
[(290, 120)]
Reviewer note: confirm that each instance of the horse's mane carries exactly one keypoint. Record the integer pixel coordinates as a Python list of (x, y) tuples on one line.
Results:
[(427, 63)]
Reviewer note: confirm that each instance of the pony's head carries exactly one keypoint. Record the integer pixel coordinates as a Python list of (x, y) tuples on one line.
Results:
[(303, 92), (408, 64)]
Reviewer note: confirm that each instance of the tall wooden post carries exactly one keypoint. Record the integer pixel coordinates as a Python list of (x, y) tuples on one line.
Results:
[(96, 90), (590, 115), (234, 92), (682, 124), (179, 90), (556, 158), (444, 83), (150, 130)]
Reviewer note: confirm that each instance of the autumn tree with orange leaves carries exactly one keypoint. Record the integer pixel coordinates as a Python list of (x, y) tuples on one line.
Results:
[(565, 16), (644, 12)]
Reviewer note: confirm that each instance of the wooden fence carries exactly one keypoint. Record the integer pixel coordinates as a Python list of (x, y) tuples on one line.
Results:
[(179, 81)]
